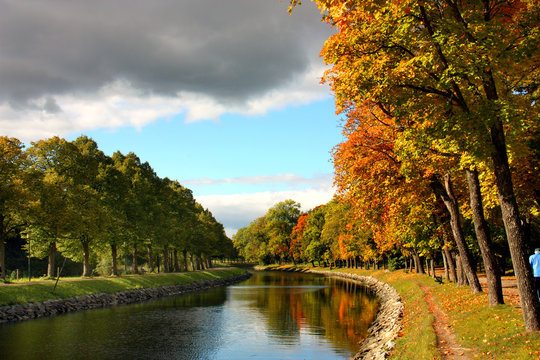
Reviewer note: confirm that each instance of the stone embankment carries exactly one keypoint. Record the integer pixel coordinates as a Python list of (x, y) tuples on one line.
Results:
[(384, 330), (21, 312)]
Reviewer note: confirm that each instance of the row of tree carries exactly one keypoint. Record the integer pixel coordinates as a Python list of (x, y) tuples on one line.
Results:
[(69, 197), (440, 100)]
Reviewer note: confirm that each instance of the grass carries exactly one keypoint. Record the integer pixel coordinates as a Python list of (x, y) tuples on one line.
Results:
[(491, 332), (71, 287), (494, 332)]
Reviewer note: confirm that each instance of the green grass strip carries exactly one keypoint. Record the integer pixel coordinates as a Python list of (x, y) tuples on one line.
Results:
[(67, 288)]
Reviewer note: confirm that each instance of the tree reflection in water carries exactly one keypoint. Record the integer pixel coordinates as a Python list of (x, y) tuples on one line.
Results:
[(294, 304)]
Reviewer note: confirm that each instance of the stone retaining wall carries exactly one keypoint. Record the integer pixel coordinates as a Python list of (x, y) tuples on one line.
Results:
[(21, 312), (386, 326)]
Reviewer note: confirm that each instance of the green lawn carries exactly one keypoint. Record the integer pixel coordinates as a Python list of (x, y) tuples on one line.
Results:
[(71, 287)]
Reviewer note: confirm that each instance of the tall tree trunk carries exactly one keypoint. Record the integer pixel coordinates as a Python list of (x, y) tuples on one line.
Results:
[(449, 259), (114, 256), (193, 267), (418, 266), (495, 294), (175, 260), (530, 304), (184, 252), (446, 194), (166, 259), (461, 280), (445, 263), (51, 254), (158, 264), (134, 267), (150, 258), (86, 252)]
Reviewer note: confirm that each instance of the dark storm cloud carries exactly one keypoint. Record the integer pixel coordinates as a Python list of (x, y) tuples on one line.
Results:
[(227, 49)]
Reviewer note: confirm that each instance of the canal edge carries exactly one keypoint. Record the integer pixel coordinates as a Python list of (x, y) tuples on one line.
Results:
[(50, 308), (387, 325)]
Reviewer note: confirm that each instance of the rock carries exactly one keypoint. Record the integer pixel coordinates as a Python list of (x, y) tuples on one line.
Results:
[(12, 313)]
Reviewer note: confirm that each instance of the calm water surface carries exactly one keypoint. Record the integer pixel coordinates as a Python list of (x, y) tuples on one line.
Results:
[(270, 316)]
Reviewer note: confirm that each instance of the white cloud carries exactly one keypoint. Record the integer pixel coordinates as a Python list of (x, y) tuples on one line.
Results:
[(119, 105), (238, 210), (291, 179)]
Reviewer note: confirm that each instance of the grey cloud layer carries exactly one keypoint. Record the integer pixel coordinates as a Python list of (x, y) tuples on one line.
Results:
[(230, 50)]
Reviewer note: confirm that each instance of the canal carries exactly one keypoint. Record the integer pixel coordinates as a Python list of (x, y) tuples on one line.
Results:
[(272, 315)]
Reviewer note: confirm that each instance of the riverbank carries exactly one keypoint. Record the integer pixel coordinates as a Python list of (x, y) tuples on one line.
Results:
[(34, 300), (384, 330), (443, 321)]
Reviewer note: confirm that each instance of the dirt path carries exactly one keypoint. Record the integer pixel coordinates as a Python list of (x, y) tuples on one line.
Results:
[(447, 344)]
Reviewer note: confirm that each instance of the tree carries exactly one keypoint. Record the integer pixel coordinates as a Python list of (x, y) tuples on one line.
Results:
[(281, 218), (472, 64), (54, 162), (12, 191)]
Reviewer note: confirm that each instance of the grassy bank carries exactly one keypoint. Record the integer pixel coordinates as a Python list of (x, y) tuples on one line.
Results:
[(491, 332), (37, 292)]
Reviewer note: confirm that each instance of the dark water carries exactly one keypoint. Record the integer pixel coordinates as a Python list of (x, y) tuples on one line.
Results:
[(270, 316)]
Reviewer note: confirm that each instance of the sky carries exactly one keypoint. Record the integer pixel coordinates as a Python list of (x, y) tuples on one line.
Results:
[(223, 96)]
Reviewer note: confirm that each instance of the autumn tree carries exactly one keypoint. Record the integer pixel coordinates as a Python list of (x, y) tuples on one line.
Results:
[(472, 64)]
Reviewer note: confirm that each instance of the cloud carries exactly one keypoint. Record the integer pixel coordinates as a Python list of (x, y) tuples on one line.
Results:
[(81, 65), (238, 210), (291, 179)]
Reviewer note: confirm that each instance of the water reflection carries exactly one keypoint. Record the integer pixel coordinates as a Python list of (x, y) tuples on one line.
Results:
[(270, 316), (296, 305)]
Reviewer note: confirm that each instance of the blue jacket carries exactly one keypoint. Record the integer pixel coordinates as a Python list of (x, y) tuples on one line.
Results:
[(534, 260)]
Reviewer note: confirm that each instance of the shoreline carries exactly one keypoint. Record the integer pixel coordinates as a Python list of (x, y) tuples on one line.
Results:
[(384, 330), (49, 308)]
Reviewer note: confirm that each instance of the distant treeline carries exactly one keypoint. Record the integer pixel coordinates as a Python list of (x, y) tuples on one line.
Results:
[(69, 198)]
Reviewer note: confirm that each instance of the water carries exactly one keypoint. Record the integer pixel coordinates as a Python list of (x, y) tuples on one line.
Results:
[(270, 316)]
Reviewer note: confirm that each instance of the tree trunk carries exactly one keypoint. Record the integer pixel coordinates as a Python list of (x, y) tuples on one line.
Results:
[(449, 259), (185, 260), (495, 294), (166, 267), (418, 266), (51, 252), (432, 267), (530, 304), (134, 266), (446, 194), (175, 260), (445, 264), (114, 256), (193, 267), (150, 258), (427, 267), (86, 262), (158, 263)]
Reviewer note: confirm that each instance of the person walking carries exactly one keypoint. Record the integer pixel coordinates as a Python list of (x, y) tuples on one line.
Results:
[(534, 260)]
